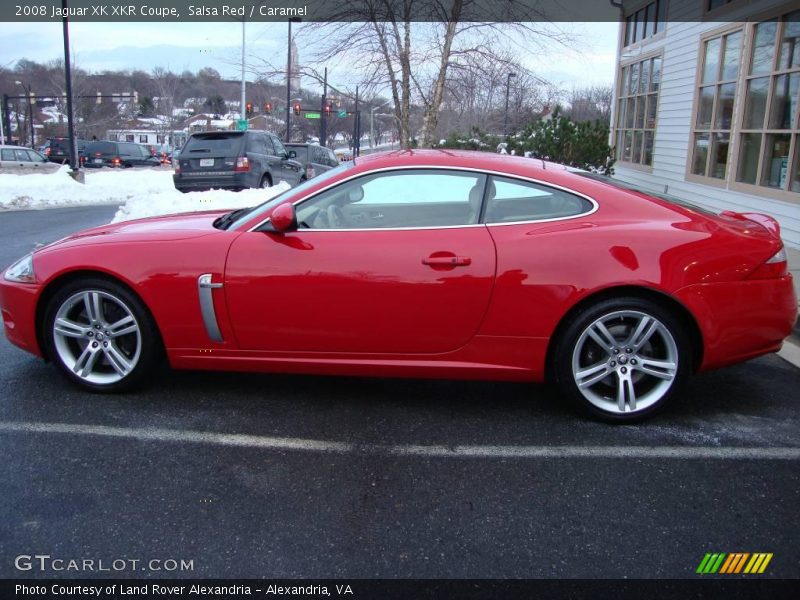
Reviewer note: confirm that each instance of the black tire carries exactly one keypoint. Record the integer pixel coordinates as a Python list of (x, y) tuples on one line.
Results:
[(115, 299), (637, 376)]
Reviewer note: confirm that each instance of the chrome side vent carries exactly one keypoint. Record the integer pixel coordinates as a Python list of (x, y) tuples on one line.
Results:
[(204, 289)]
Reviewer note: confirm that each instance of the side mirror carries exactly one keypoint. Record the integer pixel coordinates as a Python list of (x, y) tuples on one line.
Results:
[(282, 220), (292, 154), (284, 156)]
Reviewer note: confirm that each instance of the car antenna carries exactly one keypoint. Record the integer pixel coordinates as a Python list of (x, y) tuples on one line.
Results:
[(544, 166)]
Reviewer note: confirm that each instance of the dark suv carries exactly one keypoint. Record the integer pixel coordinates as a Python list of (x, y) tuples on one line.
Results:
[(317, 159), (58, 151), (118, 154), (234, 160)]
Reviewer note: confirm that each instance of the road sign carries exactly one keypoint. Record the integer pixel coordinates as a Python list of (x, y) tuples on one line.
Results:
[(312, 115), (241, 125), (342, 113)]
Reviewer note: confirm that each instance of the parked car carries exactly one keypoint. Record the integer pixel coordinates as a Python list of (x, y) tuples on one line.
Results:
[(119, 155), (315, 158), (19, 157), (420, 264), (59, 149), (234, 160)]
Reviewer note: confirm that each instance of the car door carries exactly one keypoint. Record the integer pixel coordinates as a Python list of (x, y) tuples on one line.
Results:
[(419, 283), (36, 159), (291, 170)]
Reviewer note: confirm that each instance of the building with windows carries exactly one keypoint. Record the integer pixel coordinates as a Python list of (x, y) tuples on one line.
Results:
[(706, 104)]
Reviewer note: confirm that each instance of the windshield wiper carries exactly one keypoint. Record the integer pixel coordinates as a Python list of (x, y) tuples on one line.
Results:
[(225, 220)]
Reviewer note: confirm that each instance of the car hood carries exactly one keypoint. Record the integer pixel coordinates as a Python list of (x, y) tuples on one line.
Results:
[(164, 228)]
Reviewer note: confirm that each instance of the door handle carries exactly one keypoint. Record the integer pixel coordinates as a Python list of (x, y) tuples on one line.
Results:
[(447, 261)]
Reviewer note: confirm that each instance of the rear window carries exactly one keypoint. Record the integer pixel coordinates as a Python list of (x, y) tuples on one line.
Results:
[(59, 145), (217, 142), (101, 148), (629, 187)]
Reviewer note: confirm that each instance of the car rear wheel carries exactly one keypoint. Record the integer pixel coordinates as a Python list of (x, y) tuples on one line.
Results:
[(621, 360), (266, 182), (100, 335)]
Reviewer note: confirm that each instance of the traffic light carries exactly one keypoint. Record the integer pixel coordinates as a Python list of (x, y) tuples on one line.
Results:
[(328, 109), (297, 108), (268, 107), (248, 108)]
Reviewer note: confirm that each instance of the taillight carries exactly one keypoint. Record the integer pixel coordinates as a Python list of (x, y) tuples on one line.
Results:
[(242, 164), (177, 166), (47, 151), (115, 161), (777, 266)]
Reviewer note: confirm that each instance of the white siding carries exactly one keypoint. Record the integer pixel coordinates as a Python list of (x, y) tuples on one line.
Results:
[(681, 50)]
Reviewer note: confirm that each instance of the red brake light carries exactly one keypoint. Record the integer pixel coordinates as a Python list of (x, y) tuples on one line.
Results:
[(777, 266), (242, 164), (47, 151), (115, 161)]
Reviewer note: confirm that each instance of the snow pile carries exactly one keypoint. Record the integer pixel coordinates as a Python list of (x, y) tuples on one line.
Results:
[(173, 201), (137, 192)]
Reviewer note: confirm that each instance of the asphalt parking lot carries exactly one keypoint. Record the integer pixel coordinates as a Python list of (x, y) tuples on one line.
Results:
[(304, 477)]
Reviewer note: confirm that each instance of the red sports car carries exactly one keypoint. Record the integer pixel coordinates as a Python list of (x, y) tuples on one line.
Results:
[(420, 264)]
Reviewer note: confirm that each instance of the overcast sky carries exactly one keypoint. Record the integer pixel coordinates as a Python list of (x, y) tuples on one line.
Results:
[(180, 46)]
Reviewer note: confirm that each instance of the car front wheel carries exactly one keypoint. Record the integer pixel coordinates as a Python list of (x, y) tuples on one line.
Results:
[(621, 360), (100, 335)]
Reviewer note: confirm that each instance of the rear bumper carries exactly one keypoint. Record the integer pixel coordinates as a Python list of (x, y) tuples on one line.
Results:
[(196, 182), (743, 319), (18, 307)]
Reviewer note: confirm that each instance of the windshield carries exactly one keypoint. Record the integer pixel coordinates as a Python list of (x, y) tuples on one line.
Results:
[(269, 204), (629, 187)]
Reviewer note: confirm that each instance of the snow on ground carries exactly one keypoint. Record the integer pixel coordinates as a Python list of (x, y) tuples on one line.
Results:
[(138, 193)]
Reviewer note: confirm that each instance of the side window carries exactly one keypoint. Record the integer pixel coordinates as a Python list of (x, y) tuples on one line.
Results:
[(256, 143), (280, 150), (7, 154), (269, 147), (513, 200), (410, 198), (22, 155), (332, 160)]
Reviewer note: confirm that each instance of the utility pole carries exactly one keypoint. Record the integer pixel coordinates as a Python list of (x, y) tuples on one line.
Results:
[(6, 117), (323, 122), (242, 112), (73, 142), (289, 85), (356, 131), (505, 118)]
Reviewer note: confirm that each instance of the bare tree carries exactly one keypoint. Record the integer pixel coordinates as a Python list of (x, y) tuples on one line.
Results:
[(591, 103), (413, 59)]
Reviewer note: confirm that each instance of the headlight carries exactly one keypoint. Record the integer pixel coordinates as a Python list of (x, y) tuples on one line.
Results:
[(21, 271)]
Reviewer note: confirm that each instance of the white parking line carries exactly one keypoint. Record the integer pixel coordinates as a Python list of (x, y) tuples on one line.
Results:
[(281, 443)]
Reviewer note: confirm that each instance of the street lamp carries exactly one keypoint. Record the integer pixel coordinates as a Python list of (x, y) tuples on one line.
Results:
[(508, 90), (30, 109)]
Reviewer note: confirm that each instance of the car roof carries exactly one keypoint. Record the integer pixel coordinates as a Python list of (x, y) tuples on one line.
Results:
[(18, 147)]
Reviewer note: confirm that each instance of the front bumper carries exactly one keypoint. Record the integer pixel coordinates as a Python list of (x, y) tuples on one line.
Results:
[(743, 319), (18, 308)]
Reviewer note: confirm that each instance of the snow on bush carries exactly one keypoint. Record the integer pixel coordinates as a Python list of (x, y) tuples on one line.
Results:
[(138, 193)]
